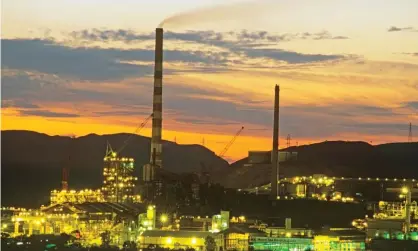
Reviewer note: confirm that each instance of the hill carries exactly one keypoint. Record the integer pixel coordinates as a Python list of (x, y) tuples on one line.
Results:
[(334, 158), (32, 162)]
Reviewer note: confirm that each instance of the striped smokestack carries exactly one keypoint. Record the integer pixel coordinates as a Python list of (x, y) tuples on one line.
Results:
[(156, 146), (275, 151)]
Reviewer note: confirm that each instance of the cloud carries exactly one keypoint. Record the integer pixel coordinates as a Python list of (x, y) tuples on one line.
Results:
[(396, 29), (95, 64), (99, 64), (222, 39), (18, 104), (48, 114), (411, 53), (207, 121), (412, 105), (289, 56)]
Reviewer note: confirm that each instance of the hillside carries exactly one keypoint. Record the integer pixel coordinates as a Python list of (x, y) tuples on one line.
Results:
[(32, 162), (336, 158)]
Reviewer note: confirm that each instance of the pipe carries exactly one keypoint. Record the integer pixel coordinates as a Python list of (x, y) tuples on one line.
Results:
[(156, 146), (275, 150)]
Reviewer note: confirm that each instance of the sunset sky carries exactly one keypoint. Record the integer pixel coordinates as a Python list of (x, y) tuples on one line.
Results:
[(348, 70)]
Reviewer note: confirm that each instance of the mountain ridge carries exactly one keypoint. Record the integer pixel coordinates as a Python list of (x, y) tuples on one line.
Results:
[(33, 161)]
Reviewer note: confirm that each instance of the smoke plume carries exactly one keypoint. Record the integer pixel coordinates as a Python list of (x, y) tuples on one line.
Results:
[(236, 11)]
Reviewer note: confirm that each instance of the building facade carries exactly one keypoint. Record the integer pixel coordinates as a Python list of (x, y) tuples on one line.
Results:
[(118, 179)]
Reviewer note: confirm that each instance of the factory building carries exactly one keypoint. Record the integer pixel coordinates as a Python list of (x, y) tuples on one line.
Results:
[(237, 237), (260, 158), (118, 179), (77, 197), (220, 221), (173, 239), (86, 220)]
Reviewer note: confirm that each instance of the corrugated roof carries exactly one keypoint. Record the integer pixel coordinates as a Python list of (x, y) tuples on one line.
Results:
[(175, 234)]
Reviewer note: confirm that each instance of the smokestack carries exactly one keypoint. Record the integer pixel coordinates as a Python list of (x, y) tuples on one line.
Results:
[(156, 146), (275, 150)]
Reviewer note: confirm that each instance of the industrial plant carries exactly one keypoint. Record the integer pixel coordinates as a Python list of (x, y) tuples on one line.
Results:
[(143, 212)]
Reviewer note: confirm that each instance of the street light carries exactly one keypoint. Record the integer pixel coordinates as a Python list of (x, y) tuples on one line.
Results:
[(405, 190)]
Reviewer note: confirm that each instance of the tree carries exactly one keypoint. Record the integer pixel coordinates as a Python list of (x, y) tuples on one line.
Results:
[(105, 236), (210, 244)]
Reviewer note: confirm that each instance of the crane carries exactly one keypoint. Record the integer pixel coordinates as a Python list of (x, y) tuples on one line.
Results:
[(222, 153), (126, 142)]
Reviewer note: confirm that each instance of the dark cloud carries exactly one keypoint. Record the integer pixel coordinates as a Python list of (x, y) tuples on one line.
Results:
[(98, 64), (205, 37), (94, 64), (135, 113), (378, 128), (110, 35), (395, 29), (48, 114), (208, 121), (246, 42), (18, 104), (194, 106), (83, 63), (288, 56), (412, 105)]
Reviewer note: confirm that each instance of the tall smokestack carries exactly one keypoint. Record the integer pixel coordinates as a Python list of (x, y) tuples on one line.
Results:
[(275, 151), (156, 146)]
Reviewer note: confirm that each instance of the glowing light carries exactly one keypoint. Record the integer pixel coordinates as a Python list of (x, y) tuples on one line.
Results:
[(169, 240), (288, 234), (194, 241), (4, 225), (164, 218), (405, 190)]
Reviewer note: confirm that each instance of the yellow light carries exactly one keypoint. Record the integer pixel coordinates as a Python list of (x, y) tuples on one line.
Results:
[(194, 241), (4, 225), (405, 190), (169, 240), (163, 218), (288, 234)]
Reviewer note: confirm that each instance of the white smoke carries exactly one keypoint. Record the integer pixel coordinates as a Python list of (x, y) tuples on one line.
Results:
[(228, 12)]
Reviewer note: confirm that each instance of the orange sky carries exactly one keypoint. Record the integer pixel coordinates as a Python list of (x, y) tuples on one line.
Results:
[(339, 80)]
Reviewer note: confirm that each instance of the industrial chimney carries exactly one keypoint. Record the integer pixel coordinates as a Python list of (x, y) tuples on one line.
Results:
[(275, 150), (156, 146), (157, 109)]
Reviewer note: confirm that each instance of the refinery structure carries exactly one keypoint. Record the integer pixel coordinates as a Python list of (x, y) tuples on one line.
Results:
[(126, 210)]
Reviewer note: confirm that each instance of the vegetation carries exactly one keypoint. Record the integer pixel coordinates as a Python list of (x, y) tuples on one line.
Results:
[(210, 244)]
